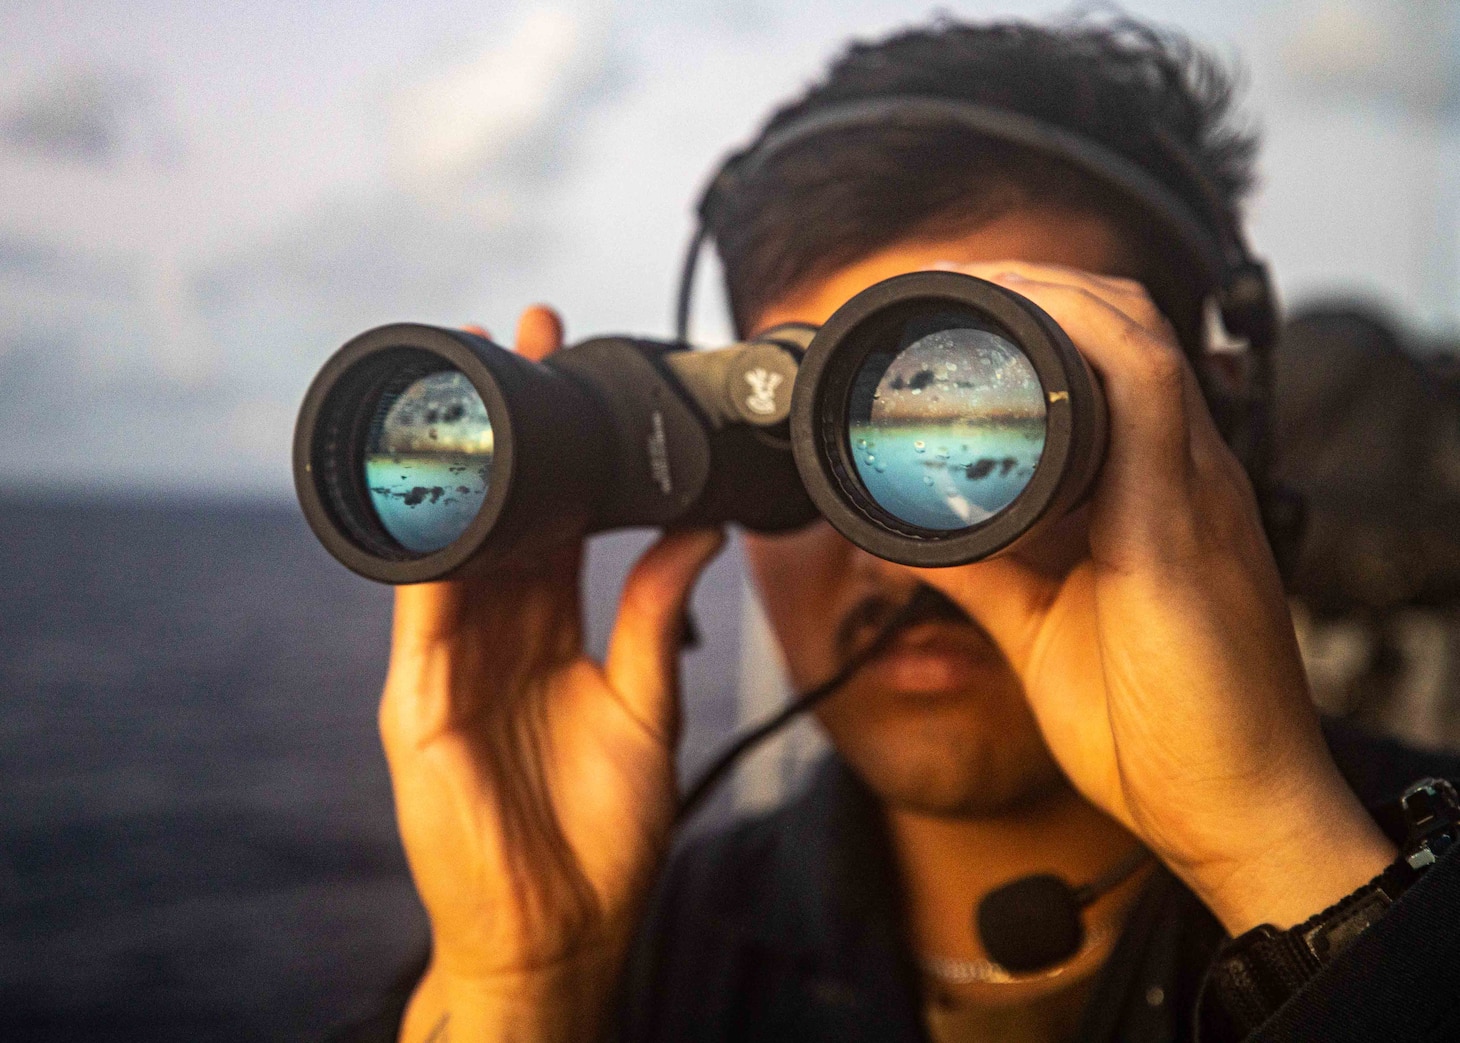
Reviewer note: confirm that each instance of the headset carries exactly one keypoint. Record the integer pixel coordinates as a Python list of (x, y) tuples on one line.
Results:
[(1210, 235), (1241, 295)]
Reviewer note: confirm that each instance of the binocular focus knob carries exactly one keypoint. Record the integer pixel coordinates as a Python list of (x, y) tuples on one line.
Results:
[(758, 384)]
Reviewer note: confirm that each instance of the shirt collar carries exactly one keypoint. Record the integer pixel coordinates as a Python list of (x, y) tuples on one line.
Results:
[(837, 860)]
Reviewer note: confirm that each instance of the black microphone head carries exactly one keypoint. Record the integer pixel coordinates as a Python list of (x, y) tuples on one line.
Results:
[(1030, 924)]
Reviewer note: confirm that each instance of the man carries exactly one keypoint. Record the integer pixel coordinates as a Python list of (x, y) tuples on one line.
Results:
[(1131, 681)]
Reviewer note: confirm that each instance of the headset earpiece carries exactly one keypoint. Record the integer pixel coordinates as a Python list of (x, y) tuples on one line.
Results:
[(1248, 305)]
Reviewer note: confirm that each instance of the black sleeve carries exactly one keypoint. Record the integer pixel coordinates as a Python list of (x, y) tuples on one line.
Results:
[(645, 978), (679, 981), (1400, 980)]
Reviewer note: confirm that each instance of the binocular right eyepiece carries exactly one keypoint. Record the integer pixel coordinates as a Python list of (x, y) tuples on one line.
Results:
[(934, 419)]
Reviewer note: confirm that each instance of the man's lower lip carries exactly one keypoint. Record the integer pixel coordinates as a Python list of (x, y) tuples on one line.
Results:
[(923, 670)]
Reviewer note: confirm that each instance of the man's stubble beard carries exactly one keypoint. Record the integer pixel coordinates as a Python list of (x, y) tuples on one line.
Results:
[(972, 760), (979, 756)]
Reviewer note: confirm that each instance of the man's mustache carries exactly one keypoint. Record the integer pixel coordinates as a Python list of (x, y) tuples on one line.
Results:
[(872, 613)]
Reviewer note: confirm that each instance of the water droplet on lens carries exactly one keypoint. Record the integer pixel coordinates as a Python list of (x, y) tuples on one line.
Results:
[(861, 443), (920, 446), (881, 468), (942, 453), (871, 458), (927, 479)]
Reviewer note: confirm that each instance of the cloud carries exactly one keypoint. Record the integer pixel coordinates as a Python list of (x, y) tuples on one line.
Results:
[(1378, 48), (132, 310), (501, 113), (182, 350), (144, 365), (384, 256), (477, 145), (261, 429), (33, 266), (167, 340), (85, 117)]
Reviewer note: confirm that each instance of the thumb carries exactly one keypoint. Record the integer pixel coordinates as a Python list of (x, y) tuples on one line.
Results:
[(643, 650), (539, 332)]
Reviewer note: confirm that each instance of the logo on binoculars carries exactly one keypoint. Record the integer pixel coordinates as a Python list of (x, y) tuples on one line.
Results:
[(659, 455), (763, 384)]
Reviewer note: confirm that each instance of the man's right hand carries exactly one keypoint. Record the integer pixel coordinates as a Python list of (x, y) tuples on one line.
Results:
[(534, 787)]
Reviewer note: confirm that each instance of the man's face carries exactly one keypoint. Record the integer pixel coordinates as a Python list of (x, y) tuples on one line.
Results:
[(938, 724)]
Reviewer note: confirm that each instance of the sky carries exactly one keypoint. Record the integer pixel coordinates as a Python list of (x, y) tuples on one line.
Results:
[(200, 201)]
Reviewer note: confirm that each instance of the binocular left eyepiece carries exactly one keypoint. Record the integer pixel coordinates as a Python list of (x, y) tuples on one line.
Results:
[(934, 419)]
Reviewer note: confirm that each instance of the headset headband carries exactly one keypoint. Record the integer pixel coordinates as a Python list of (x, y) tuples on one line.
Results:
[(1211, 238)]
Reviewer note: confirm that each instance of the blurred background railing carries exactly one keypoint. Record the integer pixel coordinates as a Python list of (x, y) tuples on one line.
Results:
[(202, 200)]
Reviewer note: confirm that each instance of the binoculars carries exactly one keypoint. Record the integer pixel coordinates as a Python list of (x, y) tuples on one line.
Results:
[(935, 419)]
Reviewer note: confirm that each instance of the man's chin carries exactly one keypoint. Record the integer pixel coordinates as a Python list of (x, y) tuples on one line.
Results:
[(940, 776), (967, 802), (937, 724), (1009, 797)]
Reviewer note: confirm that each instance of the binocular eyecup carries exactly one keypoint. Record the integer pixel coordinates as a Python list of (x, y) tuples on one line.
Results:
[(935, 419)]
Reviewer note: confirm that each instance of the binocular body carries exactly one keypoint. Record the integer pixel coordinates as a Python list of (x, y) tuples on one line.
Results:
[(934, 419)]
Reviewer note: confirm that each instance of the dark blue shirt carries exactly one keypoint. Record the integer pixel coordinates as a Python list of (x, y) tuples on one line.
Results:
[(789, 928)]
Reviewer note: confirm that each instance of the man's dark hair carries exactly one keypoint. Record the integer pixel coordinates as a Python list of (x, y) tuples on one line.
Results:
[(837, 198)]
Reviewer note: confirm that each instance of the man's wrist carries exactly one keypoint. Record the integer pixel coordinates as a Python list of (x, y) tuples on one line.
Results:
[(1316, 857), (570, 1000)]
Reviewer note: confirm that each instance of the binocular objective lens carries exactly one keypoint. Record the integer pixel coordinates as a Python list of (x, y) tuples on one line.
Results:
[(947, 429), (428, 461)]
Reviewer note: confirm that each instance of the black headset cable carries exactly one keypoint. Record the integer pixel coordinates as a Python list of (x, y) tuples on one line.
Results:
[(711, 777)]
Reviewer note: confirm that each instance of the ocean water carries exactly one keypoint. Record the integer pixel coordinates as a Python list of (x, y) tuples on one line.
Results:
[(947, 476), (946, 431), (426, 500), (197, 840)]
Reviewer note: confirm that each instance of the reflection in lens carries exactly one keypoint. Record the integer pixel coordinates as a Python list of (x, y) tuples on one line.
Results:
[(429, 460), (946, 431)]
